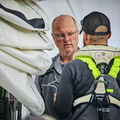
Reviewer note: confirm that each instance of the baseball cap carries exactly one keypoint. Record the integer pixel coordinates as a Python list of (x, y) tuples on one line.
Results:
[(94, 20)]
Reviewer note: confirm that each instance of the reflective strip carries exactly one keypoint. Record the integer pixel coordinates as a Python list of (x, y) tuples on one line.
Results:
[(114, 100), (115, 67), (110, 90), (91, 64), (82, 99)]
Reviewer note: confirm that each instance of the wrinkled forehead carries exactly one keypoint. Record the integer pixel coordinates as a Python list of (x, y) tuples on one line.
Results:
[(65, 29), (64, 24)]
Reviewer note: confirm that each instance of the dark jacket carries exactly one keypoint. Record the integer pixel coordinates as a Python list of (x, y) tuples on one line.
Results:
[(76, 80), (47, 85)]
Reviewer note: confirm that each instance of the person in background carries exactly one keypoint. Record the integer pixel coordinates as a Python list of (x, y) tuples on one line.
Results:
[(77, 77), (65, 34)]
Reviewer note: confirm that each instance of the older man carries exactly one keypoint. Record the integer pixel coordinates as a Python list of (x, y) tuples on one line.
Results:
[(65, 34)]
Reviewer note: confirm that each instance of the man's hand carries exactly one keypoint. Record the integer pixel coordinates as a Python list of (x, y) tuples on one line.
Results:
[(54, 97)]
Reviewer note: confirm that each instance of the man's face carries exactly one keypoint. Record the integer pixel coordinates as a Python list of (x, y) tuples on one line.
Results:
[(66, 37)]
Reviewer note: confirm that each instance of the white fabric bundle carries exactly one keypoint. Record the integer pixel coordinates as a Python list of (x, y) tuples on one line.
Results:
[(22, 43)]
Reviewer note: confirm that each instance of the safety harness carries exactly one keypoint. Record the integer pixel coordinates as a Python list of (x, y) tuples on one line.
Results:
[(102, 95)]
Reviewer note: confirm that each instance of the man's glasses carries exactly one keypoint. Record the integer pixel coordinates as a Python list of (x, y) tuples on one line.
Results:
[(62, 35)]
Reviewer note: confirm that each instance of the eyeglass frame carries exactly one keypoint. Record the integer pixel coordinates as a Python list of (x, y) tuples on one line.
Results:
[(62, 35)]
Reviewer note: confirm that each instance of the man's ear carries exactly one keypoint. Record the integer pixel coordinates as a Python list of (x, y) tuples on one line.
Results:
[(109, 35), (52, 34), (85, 36), (86, 39)]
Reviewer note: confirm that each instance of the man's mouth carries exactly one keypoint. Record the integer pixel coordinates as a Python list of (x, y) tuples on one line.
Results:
[(67, 45)]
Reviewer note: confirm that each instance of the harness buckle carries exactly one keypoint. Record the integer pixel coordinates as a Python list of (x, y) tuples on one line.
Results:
[(101, 101)]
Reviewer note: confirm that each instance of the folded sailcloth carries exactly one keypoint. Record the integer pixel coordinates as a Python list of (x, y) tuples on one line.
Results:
[(23, 42)]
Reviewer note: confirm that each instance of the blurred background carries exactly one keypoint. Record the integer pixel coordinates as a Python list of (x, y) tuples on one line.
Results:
[(78, 9)]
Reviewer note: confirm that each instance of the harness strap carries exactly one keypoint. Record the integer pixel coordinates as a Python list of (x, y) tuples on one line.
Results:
[(115, 67), (100, 89), (87, 98), (82, 99), (91, 64), (114, 100)]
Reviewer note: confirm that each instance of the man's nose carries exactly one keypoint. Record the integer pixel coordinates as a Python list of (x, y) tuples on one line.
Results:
[(66, 37)]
